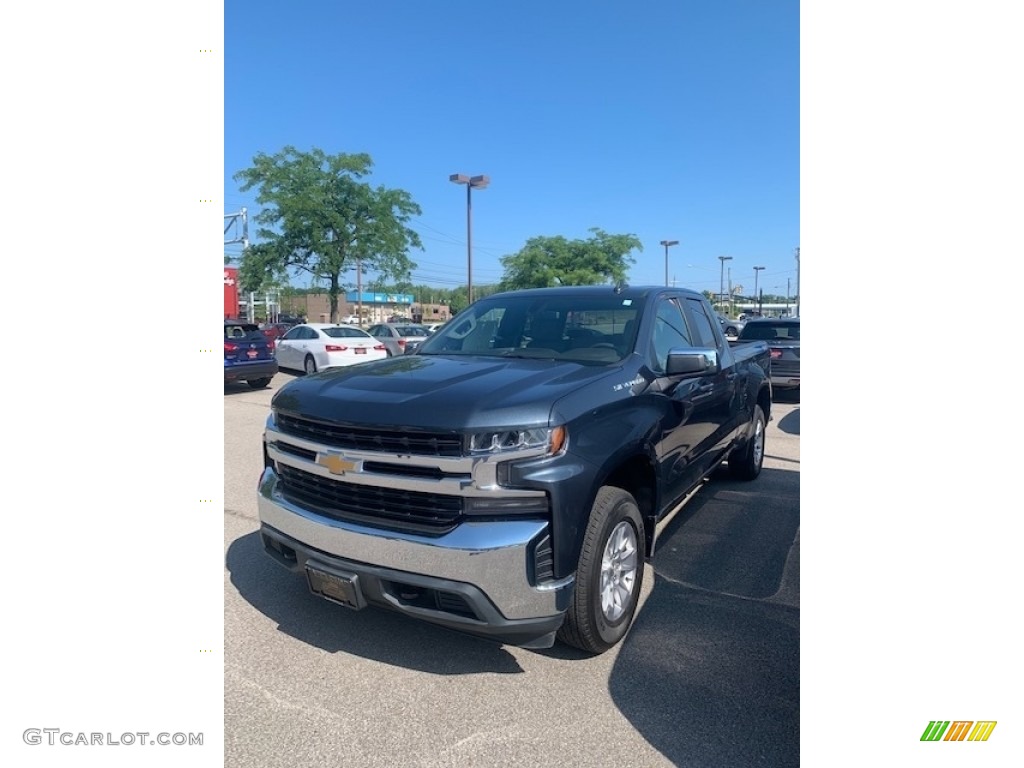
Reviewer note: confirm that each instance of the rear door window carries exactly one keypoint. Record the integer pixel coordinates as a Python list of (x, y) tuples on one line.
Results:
[(701, 323)]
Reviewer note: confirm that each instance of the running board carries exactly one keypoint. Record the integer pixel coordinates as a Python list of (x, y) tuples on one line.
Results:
[(664, 522)]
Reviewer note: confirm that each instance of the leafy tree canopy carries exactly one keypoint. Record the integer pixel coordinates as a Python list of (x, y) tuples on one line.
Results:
[(549, 261), (318, 216)]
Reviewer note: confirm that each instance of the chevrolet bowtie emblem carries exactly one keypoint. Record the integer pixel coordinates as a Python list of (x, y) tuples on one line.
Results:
[(335, 463)]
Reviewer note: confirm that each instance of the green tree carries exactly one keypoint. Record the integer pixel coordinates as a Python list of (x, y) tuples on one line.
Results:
[(549, 261), (319, 217)]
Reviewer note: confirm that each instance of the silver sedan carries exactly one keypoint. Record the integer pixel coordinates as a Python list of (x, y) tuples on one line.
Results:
[(399, 338)]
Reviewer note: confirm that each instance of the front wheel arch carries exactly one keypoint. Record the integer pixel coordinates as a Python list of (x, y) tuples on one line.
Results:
[(609, 576)]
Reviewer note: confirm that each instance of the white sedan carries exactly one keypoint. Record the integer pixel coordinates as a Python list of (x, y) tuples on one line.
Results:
[(312, 347)]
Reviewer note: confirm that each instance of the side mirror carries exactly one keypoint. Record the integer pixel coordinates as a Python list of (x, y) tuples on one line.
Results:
[(692, 363)]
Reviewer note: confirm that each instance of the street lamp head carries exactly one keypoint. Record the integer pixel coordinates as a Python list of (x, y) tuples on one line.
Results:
[(725, 258), (476, 182), (669, 242)]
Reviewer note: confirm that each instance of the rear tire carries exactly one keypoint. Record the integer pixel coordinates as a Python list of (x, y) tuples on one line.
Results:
[(258, 383), (746, 465), (309, 365), (609, 575)]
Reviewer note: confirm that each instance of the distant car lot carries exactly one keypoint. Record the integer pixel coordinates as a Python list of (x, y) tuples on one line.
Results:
[(721, 607)]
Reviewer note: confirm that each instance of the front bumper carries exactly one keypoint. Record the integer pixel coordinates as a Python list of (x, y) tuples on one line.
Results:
[(474, 579)]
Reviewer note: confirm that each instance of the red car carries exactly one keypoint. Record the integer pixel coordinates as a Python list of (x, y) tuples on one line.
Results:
[(275, 331)]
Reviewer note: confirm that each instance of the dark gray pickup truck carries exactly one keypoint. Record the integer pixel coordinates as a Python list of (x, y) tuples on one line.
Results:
[(509, 478)]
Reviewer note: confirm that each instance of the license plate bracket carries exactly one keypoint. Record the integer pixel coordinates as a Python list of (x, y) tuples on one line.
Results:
[(337, 586)]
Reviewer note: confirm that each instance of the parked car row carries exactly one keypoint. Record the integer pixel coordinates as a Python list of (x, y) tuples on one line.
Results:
[(254, 353)]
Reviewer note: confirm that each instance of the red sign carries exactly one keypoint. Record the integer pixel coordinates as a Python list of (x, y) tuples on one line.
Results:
[(230, 292)]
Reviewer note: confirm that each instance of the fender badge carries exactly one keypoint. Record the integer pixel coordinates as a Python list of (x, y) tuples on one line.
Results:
[(335, 463)]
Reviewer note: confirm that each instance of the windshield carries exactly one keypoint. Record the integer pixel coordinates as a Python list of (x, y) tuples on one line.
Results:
[(590, 328)]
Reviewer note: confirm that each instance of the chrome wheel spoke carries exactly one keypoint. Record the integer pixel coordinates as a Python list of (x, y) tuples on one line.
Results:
[(618, 571)]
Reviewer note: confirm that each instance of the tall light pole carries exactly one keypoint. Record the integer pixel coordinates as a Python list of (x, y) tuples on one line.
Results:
[(721, 279), (757, 297), (667, 243), (471, 182)]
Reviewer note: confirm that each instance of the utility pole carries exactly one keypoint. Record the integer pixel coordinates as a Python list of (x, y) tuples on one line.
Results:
[(798, 282)]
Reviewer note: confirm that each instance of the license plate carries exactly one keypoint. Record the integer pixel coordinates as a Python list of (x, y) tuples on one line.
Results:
[(341, 588), (360, 350), (252, 353)]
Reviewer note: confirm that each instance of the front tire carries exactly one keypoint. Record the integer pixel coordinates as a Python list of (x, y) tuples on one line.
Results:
[(609, 575), (746, 465)]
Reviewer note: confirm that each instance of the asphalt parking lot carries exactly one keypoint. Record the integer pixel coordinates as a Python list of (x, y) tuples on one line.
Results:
[(708, 675)]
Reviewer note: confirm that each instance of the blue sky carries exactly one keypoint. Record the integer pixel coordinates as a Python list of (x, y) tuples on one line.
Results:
[(667, 120)]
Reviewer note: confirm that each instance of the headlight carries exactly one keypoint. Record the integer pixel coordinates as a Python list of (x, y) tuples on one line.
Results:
[(506, 441)]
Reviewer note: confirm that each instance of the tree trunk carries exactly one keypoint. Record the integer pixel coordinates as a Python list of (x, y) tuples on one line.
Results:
[(333, 293)]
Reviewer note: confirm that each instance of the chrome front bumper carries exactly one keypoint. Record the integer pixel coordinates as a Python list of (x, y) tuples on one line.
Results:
[(485, 562)]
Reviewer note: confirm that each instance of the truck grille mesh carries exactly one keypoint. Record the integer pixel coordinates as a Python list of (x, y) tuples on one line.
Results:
[(371, 505), (448, 444)]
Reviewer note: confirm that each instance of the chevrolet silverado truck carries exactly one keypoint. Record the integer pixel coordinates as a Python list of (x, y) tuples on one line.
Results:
[(509, 479)]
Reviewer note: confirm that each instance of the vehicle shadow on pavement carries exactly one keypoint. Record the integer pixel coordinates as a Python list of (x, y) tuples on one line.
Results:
[(371, 633), (240, 388), (790, 423), (710, 672)]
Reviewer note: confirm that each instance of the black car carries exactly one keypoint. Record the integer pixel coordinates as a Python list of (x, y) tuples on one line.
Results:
[(783, 337), (248, 354)]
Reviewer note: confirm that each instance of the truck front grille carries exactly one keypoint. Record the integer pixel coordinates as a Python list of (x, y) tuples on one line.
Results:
[(447, 444), (371, 505)]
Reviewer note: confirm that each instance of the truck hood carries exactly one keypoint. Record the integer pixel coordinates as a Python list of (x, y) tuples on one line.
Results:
[(438, 392)]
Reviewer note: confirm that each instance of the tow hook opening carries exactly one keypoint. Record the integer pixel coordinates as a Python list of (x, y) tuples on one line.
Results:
[(281, 551), (426, 598)]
